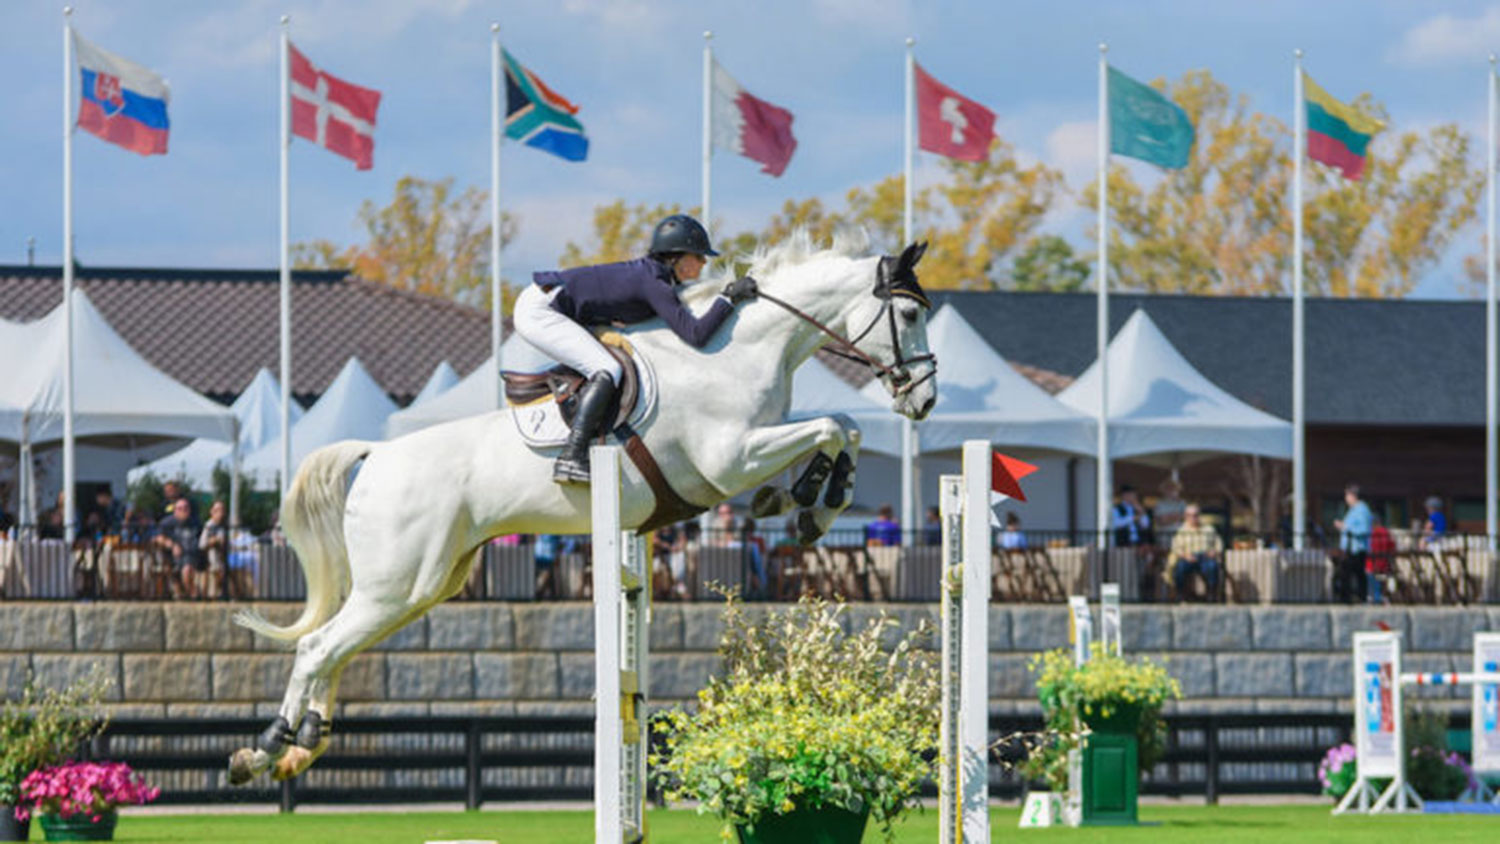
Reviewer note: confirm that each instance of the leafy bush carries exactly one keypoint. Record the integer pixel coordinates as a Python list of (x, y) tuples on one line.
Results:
[(806, 716), (83, 788), (1434, 771), (1103, 687), (45, 726), (1337, 770)]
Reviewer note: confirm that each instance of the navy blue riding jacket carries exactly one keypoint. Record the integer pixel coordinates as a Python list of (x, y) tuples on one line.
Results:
[(630, 292)]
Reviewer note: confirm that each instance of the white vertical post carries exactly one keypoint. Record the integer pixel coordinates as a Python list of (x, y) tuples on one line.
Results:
[(497, 284), (1104, 475), (70, 520), (234, 480), (283, 141), (974, 653), (708, 128), (1110, 628), (908, 429), (1491, 390), (951, 594), (609, 733), (1299, 445)]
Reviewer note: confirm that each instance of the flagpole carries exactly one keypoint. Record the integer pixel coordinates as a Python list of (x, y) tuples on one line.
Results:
[(284, 141), (708, 127), (70, 468), (1105, 482), (497, 285), (908, 429), (1299, 454), (1491, 470)]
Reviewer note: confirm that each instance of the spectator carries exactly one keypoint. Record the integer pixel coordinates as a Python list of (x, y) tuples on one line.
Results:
[(1378, 563), (1437, 523), (1196, 549), (723, 526), (213, 544), (107, 515), (242, 559), (50, 522), (178, 536), (137, 526), (544, 553), (932, 527), (1349, 583), (884, 531), (1170, 510), (759, 585), (1012, 538), (1129, 520)]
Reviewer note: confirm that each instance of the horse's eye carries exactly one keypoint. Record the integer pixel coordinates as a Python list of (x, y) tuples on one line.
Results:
[(909, 315)]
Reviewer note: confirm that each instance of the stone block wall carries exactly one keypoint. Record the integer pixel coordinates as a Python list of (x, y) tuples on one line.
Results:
[(495, 658)]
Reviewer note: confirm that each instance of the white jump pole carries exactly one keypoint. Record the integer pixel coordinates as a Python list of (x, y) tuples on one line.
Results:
[(620, 646), (964, 780)]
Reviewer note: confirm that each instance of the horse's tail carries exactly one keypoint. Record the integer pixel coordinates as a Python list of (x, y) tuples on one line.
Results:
[(312, 517)]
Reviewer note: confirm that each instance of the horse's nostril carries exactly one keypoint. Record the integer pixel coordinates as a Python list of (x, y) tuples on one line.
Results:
[(927, 405)]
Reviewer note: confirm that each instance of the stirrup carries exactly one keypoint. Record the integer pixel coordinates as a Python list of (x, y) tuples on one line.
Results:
[(571, 470)]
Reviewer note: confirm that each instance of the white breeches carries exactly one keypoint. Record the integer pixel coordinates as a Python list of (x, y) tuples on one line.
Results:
[(560, 338)]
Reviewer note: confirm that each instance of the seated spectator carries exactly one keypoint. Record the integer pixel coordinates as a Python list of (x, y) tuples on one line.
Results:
[(178, 536), (1129, 520), (1378, 561), (50, 522), (884, 530), (544, 552), (137, 526), (932, 527), (213, 543), (242, 559), (1196, 549), (1012, 538), (106, 516), (1436, 525)]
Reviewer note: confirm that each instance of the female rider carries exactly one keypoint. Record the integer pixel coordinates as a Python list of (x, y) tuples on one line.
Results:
[(555, 313)]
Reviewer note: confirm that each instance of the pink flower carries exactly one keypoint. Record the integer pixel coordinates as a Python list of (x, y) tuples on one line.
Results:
[(77, 788)]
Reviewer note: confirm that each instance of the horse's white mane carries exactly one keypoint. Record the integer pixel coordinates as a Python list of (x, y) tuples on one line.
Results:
[(768, 259)]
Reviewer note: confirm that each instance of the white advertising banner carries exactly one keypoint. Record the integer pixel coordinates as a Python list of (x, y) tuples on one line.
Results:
[(1377, 701), (1486, 704)]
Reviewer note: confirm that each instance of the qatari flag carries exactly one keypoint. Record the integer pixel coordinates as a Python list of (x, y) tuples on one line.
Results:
[(750, 126), (336, 115)]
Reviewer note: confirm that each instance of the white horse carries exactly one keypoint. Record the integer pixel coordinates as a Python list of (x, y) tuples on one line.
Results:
[(404, 535)]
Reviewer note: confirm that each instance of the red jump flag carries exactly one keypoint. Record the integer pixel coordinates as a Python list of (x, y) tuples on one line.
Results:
[(1006, 473), (336, 115), (948, 123)]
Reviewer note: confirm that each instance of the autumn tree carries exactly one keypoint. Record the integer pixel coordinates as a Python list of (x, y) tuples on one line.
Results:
[(429, 239), (1222, 224), (621, 232)]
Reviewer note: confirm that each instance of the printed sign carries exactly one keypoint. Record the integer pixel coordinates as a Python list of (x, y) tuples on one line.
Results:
[(1377, 700), (1487, 704)]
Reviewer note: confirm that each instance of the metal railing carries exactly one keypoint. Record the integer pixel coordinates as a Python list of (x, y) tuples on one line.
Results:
[(1030, 567)]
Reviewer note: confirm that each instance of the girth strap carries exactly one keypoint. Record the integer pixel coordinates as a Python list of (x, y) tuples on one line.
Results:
[(670, 507)]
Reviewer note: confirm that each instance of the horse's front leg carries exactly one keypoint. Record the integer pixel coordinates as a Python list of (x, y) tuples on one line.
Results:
[(832, 442)]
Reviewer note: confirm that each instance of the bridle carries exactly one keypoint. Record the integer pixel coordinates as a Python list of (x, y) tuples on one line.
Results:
[(891, 281)]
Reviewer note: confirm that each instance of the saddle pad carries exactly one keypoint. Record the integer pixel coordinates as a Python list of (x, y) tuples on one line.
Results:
[(541, 423)]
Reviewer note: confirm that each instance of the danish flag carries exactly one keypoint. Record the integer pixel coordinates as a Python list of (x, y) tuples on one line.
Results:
[(336, 115)]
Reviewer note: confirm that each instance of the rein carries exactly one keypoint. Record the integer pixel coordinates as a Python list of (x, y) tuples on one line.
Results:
[(901, 381)]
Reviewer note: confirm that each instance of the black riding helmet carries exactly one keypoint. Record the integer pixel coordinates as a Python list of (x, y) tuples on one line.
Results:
[(680, 233)]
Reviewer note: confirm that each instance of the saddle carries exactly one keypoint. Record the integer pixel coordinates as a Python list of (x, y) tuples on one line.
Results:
[(561, 383)]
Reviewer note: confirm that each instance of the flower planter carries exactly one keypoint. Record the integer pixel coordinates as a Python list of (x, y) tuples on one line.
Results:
[(1111, 774), (828, 825), (80, 827), (10, 828)]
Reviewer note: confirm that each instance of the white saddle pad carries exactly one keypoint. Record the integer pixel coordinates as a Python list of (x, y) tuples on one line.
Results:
[(541, 424)]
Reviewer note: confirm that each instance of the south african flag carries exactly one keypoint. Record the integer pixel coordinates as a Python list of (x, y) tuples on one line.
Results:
[(540, 117)]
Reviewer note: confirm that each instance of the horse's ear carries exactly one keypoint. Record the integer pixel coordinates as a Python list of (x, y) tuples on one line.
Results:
[(911, 255)]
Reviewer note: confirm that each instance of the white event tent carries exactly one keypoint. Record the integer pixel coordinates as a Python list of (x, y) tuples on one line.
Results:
[(258, 409), (818, 391), (1160, 406), (441, 380), (474, 395), (353, 407)]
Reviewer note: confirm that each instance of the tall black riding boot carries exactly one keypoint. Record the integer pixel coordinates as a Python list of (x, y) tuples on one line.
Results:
[(572, 466)]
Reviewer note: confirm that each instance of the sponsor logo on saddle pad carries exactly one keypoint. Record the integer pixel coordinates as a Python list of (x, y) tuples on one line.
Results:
[(541, 423)]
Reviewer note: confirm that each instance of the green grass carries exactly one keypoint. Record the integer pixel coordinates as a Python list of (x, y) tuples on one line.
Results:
[(1260, 824)]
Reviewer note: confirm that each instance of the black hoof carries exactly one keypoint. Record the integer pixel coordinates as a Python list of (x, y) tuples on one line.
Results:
[(840, 482), (568, 471), (313, 731), (808, 531), (805, 490), (274, 739)]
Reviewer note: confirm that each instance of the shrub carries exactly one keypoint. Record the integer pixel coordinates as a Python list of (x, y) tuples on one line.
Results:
[(45, 726)]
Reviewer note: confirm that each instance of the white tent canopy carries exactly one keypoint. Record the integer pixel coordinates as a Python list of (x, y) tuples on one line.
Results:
[(1160, 405), (981, 396), (818, 391), (353, 407), (259, 410), (440, 381), (474, 395), (115, 390)]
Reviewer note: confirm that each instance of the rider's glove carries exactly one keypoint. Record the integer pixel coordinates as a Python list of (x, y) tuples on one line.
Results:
[(741, 289)]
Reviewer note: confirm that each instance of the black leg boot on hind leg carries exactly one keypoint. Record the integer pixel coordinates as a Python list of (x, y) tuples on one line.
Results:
[(594, 400)]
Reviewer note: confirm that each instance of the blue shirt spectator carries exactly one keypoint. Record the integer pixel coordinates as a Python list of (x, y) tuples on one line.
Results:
[(884, 530), (1356, 525)]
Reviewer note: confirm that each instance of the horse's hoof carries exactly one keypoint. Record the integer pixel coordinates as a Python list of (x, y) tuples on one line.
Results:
[(293, 762), (770, 501), (808, 531), (242, 767)]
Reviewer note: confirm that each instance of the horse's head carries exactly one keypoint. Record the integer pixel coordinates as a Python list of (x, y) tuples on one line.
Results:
[(891, 328)]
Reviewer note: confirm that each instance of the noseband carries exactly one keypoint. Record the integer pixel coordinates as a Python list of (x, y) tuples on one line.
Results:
[(889, 284)]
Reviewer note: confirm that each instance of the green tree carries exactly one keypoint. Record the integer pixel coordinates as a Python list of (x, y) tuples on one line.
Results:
[(1048, 263)]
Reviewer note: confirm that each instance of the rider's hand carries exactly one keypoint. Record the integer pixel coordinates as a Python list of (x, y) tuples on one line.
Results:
[(741, 289)]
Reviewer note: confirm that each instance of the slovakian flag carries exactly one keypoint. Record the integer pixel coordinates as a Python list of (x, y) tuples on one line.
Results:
[(336, 115), (1006, 473), (1337, 135), (539, 117), (948, 123), (748, 125), (120, 101)]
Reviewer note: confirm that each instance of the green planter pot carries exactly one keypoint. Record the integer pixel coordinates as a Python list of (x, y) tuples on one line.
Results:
[(1111, 770), (80, 827), (828, 825)]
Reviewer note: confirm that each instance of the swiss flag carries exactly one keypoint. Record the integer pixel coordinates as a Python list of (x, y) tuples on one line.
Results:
[(951, 124), (334, 114)]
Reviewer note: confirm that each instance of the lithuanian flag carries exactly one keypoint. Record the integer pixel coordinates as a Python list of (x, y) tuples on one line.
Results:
[(1337, 135)]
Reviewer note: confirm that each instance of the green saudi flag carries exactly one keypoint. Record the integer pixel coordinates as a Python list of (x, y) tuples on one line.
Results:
[(1146, 125)]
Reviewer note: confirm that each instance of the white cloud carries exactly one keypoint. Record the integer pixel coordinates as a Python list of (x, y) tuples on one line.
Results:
[(1073, 148), (1447, 39), (620, 17)]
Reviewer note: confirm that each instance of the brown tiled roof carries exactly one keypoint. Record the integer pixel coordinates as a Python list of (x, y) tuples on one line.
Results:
[(212, 329)]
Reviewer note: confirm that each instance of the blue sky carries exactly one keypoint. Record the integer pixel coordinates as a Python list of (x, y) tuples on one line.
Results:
[(634, 68)]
